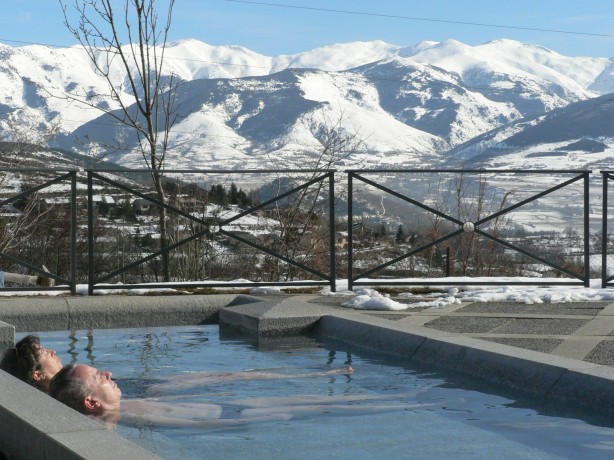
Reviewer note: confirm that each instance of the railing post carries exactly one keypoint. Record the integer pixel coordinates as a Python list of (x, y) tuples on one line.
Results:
[(587, 232), (604, 230), (332, 232), (350, 231), (73, 233), (90, 235)]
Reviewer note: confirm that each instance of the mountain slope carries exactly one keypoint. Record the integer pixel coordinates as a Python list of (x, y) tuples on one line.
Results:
[(580, 135), (404, 106)]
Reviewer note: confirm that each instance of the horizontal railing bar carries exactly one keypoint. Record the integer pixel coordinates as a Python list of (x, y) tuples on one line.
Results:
[(463, 171), (215, 171), (213, 284), (464, 282), (39, 170)]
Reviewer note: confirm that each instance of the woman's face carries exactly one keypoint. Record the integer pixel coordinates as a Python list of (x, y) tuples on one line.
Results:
[(49, 365)]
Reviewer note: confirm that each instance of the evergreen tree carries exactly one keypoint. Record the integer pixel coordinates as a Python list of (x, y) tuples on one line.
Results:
[(400, 236), (233, 195), (382, 231)]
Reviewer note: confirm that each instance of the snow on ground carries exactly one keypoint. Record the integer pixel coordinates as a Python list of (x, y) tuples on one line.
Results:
[(370, 299), (460, 290), (472, 291)]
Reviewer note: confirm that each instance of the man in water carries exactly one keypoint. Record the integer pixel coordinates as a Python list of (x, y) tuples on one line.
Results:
[(93, 392), (29, 361)]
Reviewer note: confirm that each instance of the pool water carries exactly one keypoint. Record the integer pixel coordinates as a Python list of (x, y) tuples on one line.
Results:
[(380, 410)]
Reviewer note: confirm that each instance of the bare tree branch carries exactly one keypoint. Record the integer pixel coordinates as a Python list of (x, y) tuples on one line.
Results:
[(148, 107)]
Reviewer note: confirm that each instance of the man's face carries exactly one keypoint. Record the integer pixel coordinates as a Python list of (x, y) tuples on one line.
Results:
[(105, 392)]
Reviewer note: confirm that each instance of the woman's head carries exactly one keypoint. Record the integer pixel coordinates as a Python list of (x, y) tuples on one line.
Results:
[(29, 361)]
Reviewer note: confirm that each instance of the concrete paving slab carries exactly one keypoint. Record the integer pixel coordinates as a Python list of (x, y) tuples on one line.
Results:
[(568, 308), (390, 316), (558, 326), (587, 339), (602, 325), (418, 320), (544, 345), (601, 353), (468, 324), (444, 310)]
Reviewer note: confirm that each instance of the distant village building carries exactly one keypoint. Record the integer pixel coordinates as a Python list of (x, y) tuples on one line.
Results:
[(103, 203), (55, 202), (141, 206), (341, 240)]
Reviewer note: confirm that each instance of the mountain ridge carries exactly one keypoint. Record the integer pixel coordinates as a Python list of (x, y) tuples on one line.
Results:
[(408, 105)]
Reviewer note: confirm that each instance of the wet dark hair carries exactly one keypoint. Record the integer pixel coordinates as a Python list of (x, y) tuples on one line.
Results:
[(23, 359), (69, 390)]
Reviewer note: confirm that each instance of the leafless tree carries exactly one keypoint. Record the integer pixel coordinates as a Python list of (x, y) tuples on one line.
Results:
[(23, 220), (134, 41), (303, 225)]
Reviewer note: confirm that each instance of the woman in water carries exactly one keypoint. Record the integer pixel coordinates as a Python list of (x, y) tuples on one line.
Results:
[(29, 361)]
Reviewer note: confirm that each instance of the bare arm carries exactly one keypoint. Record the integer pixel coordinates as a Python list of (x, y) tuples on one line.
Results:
[(185, 381), (144, 412)]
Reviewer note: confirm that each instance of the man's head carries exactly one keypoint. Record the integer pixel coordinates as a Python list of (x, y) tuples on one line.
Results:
[(29, 361), (86, 389)]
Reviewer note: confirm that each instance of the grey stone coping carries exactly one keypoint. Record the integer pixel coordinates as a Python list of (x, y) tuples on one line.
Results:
[(7, 335), (35, 426), (106, 312)]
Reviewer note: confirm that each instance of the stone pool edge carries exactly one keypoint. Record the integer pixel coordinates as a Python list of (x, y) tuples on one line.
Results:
[(39, 427), (540, 374)]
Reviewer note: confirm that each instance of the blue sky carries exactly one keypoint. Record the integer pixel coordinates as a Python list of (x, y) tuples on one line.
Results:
[(268, 28)]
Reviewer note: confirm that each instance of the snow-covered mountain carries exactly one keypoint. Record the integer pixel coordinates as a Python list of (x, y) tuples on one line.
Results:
[(578, 136), (408, 106)]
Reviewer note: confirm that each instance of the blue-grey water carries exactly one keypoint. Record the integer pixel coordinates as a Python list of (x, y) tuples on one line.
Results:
[(404, 412)]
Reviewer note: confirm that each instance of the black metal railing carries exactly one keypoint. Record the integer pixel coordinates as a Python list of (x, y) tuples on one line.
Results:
[(75, 249), (19, 255), (606, 249), (323, 178), (465, 226)]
